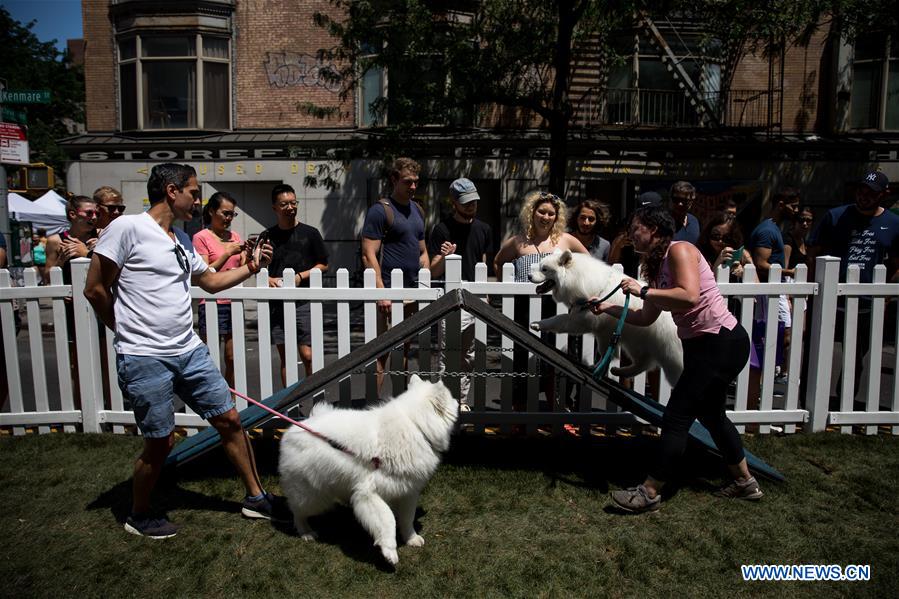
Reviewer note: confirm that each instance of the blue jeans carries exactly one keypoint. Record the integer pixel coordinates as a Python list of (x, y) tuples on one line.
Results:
[(150, 383)]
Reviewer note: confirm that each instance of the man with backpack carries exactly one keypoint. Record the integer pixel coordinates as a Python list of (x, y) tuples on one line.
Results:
[(393, 236)]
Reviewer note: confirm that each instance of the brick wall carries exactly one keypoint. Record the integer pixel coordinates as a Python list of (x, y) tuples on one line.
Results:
[(274, 50), (99, 67), (802, 71)]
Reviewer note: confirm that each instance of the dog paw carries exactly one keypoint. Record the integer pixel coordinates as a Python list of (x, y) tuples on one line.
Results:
[(416, 541), (535, 326), (309, 536), (390, 555)]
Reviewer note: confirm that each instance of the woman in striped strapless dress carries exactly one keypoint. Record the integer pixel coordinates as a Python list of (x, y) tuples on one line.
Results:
[(542, 220)]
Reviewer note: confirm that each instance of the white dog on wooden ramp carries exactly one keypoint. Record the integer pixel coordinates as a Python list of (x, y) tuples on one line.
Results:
[(391, 452), (574, 278)]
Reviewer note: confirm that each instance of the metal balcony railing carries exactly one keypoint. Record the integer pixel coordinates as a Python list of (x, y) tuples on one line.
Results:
[(631, 107)]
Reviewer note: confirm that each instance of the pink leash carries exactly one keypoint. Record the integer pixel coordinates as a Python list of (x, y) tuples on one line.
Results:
[(376, 462)]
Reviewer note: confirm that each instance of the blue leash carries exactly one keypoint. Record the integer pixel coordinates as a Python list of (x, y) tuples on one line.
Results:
[(602, 367)]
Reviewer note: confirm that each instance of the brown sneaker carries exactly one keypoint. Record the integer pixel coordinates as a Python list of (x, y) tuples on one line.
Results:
[(748, 489), (636, 500)]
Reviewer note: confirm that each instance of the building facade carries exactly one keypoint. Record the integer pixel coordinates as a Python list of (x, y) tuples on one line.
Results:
[(217, 84)]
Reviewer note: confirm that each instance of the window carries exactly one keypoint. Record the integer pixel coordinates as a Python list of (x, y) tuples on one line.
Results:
[(875, 83), (644, 87), (175, 82), (372, 91), (413, 90)]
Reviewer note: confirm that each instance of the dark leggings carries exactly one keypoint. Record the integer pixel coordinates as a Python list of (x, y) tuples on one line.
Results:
[(711, 362)]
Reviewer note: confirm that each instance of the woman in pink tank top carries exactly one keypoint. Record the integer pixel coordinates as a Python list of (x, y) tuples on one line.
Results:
[(716, 349)]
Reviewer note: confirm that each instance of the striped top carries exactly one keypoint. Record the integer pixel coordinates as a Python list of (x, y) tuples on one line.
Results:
[(523, 266)]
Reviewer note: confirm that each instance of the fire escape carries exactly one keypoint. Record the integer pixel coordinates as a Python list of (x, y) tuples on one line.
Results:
[(691, 96)]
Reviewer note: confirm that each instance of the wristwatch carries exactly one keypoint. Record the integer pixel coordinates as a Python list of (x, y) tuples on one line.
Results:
[(643, 291)]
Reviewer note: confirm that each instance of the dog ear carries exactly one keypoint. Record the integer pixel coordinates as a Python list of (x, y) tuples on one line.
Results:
[(414, 380), (565, 259)]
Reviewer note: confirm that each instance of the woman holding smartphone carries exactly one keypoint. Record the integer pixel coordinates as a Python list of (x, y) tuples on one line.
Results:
[(222, 249), (721, 243)]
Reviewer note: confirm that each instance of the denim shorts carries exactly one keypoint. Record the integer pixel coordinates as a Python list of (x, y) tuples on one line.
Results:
[(303, 323), (150, 383), (224, 318)]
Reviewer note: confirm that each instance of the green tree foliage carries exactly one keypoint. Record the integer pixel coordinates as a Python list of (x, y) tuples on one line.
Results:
[(29, 63), (446, 59)]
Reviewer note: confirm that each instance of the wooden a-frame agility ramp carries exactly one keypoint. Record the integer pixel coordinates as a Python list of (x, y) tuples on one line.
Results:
[(639, 405)]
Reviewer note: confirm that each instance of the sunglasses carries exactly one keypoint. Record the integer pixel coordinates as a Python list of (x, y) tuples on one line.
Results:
[(117, 208), (182, 259), (806, 220), (88, 213), (229, 213)]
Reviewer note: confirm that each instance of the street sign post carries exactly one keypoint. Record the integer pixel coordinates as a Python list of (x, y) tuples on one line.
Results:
[(25, 96), (13, 144)]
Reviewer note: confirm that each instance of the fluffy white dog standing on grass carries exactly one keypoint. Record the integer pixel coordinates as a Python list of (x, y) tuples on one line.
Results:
[(574, 278), (396, 447)]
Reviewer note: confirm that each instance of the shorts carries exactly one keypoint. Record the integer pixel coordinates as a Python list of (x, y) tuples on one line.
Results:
[(224, 319), (784, 316), (150, 383), (410, 307), (303, 324), (757, 350)]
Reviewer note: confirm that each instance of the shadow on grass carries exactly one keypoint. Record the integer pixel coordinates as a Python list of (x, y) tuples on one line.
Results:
[(339, 528), (170, 495), (167, 496), (593, 463)]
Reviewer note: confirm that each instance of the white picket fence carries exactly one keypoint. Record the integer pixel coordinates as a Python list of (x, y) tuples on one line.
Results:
[(51, 399)]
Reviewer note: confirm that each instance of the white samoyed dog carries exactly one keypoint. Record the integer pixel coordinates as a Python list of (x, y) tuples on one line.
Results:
[(574, 278), (395, 447)]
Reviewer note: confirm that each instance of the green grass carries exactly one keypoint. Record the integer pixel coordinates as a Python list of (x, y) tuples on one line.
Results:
[(502, 518)]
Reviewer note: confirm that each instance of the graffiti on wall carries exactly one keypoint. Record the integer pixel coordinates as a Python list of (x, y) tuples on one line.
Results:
[(293, 69)]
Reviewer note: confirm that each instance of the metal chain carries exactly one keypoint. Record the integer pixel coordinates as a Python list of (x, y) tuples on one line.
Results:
[(488, 348), (430, 373)]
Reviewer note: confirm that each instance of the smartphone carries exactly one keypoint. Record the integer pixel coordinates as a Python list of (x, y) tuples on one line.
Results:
[(256, 242), (735, 257)]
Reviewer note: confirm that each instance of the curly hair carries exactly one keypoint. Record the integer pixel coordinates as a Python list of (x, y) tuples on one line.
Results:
[(531, 202), (402, 164), (600, 209), (657, 217)]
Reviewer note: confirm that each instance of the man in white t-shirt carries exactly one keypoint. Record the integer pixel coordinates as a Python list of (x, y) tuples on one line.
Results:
[(139, 284)]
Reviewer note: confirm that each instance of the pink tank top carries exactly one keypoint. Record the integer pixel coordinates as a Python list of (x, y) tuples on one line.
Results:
[(710, 313)]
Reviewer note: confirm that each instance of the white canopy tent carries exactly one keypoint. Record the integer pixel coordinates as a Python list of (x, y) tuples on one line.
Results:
[(47, 212)]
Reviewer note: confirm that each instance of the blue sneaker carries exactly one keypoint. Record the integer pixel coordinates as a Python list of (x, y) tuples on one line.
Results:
[(268, 507), (145, 526)]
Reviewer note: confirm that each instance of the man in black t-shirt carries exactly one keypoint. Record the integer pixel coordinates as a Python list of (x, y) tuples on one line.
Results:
[(300, 247), (462, 234)]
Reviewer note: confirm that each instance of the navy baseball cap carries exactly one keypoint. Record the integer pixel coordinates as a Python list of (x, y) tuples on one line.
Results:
[(649, 197), (877, 181)]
